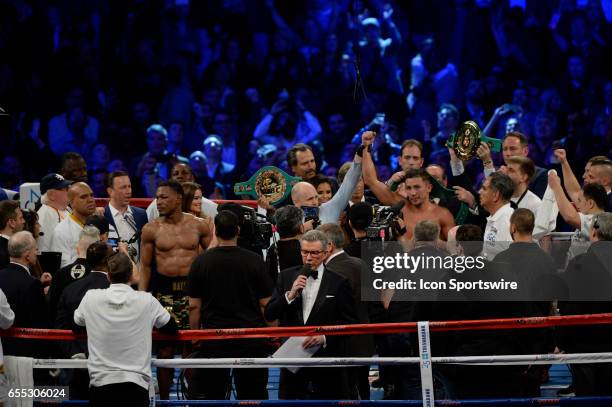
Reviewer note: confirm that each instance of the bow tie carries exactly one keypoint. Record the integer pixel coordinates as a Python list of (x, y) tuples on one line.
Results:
[(314, 274)]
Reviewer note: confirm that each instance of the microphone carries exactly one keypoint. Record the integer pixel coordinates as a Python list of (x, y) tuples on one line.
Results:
[(304, 271)]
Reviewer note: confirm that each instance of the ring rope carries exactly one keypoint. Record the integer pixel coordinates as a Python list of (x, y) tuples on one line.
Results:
[(357, 329), (544, 359)]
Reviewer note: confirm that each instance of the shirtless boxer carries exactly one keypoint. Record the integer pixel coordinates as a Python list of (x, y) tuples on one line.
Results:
[(417, 188), (175, 239)]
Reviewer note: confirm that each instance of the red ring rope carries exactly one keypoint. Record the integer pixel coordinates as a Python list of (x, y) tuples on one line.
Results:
[(434, 326)]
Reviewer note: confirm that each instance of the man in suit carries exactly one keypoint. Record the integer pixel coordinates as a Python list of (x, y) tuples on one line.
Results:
[(351, 268), (126, 221), (321, 298), (97, 255), (11, 222), (24, 293)]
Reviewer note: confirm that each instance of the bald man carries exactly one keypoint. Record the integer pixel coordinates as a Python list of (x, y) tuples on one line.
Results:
[(66, 234)]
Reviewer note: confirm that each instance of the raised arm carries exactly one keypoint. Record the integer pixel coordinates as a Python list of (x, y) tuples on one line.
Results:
[(147, 251), (378, 188), (570, 182), (566, 209)]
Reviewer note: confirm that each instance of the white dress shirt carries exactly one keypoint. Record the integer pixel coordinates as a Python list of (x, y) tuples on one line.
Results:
[(497, 236), (119, 322), (309, 293), (49, 218), (65, 238), (530, 201), (7, 316)]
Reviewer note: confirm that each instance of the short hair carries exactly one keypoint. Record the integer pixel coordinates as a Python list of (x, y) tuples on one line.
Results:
[(226, 225), (602, 224), (334, 234), (173, 185), (524, 220), (525, 164), (20, 243), (503, 184), (426, 231), (189, 189), (411, 143), (315, 236), (451, 107), (288, 220), (360, 215), (97, 253), (157, 128), (8, 211), (89, 235), (70, 155), (604, 168), (99, 222), (344, 169), (115, 174), (599, 160), (522, 138), (119, 267), (292, 153), (31, 219), (597, 193), (470, 238), (418, 173), (444, 177)]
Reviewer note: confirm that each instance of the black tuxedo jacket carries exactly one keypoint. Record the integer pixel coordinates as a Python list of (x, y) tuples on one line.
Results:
[(26, 298), (4, 256), (352, 268), (334, 305)]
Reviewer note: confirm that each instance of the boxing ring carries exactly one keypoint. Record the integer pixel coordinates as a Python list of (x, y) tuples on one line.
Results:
[(425, 360)]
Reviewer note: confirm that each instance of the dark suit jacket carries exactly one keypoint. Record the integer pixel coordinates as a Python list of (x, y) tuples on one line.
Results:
[(140, 217), (351, 269), (4, 256), (69, 301), (334, 305), (539, 182), (26, 298)]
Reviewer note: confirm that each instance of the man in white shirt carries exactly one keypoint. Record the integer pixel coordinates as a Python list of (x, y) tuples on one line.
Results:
[(7, 316), (590, 202), (125, 221), (54, 199), (495, 195), (66, 234), (520, 170), (119, 321)]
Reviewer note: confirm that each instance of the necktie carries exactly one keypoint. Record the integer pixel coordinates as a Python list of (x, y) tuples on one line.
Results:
[(314, 274), (129, 218)]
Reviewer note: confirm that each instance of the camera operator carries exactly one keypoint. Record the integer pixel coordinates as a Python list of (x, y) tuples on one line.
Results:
[(285, 252), (360, 217), (255, 230), (126, 221)]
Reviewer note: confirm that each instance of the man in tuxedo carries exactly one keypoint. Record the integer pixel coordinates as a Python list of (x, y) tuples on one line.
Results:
[(11, 222), (351, 268), (311, 295), (24, 293), (126, 221)]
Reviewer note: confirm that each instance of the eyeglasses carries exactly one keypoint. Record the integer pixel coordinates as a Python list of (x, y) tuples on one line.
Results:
[(305, 253)]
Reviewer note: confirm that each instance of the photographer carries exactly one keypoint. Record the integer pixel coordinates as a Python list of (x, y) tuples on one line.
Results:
[(360, 217), (286, 252)]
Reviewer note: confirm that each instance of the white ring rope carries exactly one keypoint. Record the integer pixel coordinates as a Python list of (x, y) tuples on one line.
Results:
[(499, 360)]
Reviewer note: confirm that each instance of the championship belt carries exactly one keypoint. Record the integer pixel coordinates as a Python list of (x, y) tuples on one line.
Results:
[(467, 139), (270, 182)]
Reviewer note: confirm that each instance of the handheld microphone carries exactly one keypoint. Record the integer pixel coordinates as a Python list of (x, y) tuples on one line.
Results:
[(304, 271)]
